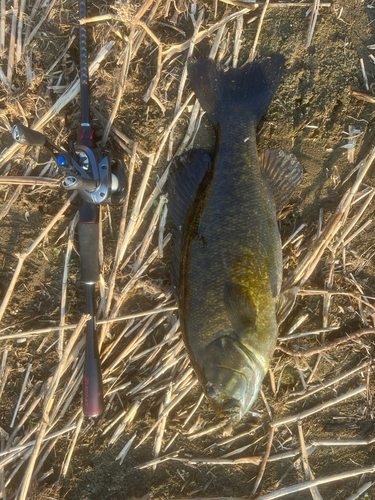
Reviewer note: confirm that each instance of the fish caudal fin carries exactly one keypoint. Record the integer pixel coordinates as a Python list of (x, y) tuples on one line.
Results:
[(245, 92), (186, 175)]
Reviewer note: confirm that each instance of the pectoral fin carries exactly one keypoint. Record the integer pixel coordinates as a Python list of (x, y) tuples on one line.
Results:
[(240, 308), (285, 303), (284, 173)]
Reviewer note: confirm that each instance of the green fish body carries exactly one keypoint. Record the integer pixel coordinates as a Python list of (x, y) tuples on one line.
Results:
[(228, 260)]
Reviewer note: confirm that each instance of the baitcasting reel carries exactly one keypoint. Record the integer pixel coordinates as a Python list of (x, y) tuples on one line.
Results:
[(99, 179)]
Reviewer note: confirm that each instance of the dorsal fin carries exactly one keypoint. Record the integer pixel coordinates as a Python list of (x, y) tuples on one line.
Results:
[(186, 174), (284, 173)]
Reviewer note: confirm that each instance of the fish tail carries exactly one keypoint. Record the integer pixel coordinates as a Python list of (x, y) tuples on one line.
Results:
[(245, 92)]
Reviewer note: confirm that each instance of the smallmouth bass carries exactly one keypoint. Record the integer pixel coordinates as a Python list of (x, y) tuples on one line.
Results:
[(227, 265)]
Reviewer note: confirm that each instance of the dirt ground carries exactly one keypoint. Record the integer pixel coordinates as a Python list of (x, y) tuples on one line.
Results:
[(309, 116)]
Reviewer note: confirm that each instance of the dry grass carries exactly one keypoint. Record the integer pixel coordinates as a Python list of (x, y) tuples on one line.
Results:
[(148, 342)]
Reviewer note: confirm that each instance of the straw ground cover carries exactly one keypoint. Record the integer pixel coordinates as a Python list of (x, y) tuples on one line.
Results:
[(310, 434)]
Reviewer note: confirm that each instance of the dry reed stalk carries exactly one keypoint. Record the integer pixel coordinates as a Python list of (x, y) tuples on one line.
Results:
[(316, 409), (161, 427), (163, 222), (307, 265), (99, 322), (237, 40), (2, 479), (2, 26), (4, 379), (12, 44), (97, 19), (150, 233), (253, 49), (26, 379), (130, 229), (4, 361), (359, 230), (121, 456), (19, 33), (65, 466), (20, 447), (117, 133), (163, 179), (293, 235), (125, 69), (354, 221), (196, 25), (264, 460), (71, 40), (34, 10), (154, 83), (328, 284), (327, 384), (122, 83), (305, 463), (306, 334), (137, 340), (207, 430), (361, 490), (48, 402), (316, 482), (327, 347), (363, 97), (343, 442), (234, 438), (69, 248), (159, 460), (175, 49), (296, 4), (5, 210), (190, 130), (219, 35), (154, 376), (188, 418), (26, 253), (30, 181), (71, 92), (355, 296), (26, 415), (313, 18), (167, 410), (52, 442), (44, 17), (129, 417), (121, 233)]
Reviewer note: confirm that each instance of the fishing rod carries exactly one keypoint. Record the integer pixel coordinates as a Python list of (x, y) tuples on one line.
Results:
[(100, 180)]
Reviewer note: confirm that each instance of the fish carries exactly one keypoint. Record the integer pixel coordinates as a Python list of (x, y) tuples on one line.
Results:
[(227, 262)]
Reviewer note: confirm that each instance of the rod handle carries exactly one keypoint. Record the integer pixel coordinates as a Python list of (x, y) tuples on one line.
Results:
[(27, 136), (92, 377), (88, 235)]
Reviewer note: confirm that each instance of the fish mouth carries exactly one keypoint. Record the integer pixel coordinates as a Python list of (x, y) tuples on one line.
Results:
[(234, 375)]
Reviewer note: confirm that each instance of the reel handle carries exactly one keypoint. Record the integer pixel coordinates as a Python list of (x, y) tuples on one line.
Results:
[(27, 136)]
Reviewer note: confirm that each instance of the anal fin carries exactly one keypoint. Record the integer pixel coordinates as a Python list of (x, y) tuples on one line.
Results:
[(284, 173), (186, 175)]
